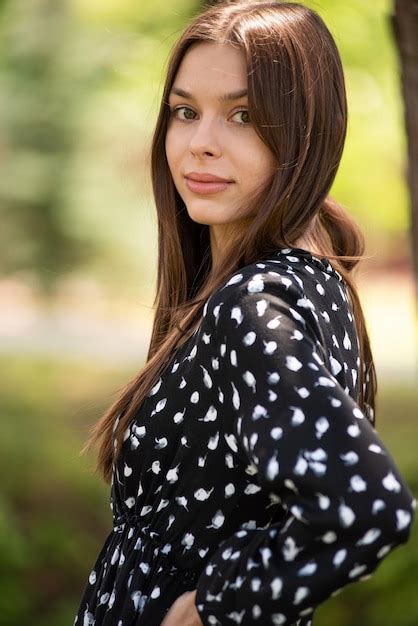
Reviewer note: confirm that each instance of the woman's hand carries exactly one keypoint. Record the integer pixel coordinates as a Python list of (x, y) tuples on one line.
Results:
[(183, 612)]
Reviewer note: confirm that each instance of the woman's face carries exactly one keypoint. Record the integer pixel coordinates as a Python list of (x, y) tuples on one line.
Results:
[(210, 133)]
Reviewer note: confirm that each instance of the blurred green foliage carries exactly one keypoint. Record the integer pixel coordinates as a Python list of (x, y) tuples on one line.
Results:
[(55, 515), (41, 95)]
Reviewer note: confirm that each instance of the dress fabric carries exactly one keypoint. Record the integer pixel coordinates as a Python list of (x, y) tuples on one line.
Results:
[(249, 472)]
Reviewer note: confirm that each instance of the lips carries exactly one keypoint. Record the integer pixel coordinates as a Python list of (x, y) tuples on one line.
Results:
[(203, 184), (206, 178)]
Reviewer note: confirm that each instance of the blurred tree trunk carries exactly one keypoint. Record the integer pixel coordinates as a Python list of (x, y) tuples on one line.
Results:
[(404, 22)]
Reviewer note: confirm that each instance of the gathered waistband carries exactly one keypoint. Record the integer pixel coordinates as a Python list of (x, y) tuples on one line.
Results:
[(154, 537)]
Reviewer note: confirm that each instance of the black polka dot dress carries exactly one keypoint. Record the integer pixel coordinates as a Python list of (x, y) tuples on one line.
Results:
[(249, 472)]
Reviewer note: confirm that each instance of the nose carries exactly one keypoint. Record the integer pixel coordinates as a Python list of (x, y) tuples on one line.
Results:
[(205, 139)]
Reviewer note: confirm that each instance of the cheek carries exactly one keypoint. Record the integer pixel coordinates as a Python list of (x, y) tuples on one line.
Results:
[(263, 164), (257, 172), (257, 160)]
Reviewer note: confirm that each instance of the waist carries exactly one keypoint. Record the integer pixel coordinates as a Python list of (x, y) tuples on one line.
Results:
[(123, 521)]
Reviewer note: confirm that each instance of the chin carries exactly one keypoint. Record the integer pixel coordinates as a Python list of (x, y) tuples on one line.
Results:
[(200, 220), (205, 216), (207, 209)]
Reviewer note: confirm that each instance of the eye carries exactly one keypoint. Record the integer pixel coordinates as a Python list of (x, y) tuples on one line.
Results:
[(188, 114), (173, 113), (247, 119)]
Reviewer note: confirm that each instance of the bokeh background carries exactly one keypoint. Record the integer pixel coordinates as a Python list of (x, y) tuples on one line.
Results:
[(80, 83)]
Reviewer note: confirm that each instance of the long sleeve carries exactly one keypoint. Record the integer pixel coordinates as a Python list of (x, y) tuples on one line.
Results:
[(311, 447)]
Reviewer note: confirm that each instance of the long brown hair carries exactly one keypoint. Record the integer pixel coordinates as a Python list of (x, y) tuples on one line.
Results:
[(297, 104)]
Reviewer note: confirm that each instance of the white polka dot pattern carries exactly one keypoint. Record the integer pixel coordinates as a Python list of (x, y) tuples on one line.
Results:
[(250, 472)]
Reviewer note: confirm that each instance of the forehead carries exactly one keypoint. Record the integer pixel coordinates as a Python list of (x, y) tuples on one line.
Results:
[(212, 65)]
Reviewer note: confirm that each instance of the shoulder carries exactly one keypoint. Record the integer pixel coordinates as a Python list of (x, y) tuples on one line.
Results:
[(299, 306), (255, 281), (293, 283), (295, 278)]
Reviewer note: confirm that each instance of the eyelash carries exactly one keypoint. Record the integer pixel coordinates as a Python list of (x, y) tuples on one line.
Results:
[(173, 111)]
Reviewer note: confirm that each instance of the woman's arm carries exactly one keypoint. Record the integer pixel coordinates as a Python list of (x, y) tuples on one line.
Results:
[(312, 448)]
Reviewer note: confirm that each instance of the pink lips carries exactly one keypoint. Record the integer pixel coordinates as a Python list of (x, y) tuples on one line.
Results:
[(206, 183)]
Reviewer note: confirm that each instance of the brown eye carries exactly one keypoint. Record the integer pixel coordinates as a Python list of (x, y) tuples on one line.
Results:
[(186, 111), (245, 117)]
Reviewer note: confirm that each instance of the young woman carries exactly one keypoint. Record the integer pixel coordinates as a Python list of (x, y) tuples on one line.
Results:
[(248, 482)]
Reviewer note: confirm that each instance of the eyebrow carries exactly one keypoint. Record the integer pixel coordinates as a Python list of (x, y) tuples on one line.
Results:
[(226, 97)]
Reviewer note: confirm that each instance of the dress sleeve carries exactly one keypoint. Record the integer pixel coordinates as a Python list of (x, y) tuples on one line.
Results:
[(346, 505)]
